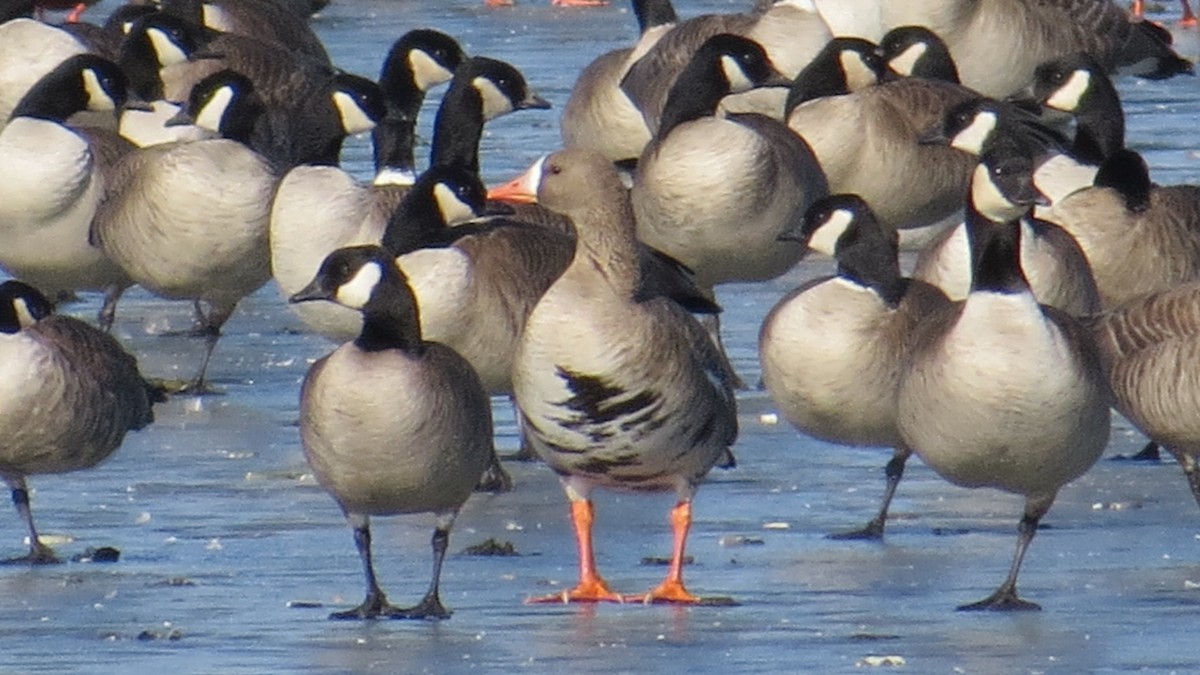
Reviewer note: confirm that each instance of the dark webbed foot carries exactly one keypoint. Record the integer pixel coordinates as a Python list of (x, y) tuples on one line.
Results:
[(872, 531), (1003, 600), (375, 606), (494, 479), (429, 609), (1150, 453), (38, 555)]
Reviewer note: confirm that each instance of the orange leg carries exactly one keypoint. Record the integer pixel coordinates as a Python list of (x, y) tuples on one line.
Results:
[(76, 13), (498, 3), (1189, 19), (671, 589), (1138, 9), (591, 587)]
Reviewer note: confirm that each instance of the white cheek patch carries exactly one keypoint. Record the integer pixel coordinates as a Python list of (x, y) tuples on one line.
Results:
[(98, 99), (906, 61), (357, 292), (989, 200), (453, 209), (738, 82), (215, 18), (426, 71), (858, 74), (495, 103), (971, 139), (165, 50), (825, 238), (398, 177), (354, 119), (25, 318), (213, 110), (1066, 98)]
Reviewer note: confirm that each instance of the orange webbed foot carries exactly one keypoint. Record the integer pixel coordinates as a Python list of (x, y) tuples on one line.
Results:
[(589, 591), (668, 592)]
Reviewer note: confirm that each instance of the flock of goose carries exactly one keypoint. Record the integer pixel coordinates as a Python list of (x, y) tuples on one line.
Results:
[(192, 148)]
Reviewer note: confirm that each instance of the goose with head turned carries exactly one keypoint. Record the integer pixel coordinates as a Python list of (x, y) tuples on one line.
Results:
[(997, 44), (790, 31), (831, 350), (390, 423), (598, 114), (69, 394), (55, 178), (866, 132), (189, 221), (715, 192), (999, 391)]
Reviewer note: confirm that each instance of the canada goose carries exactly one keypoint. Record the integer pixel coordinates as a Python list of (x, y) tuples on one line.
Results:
[(1138, 237), (318, 210), (70, 392), (268, 20), (714, 193), (189, 221), (831, 350), (55, 176), (790, 31), (1150, 346), (390, 423), (598, 114), (999, 391), (983, 125), (618, 392), (29, 50), (1052, 261), (997, 44), (309, 106), (866, 135), (1078, 86)]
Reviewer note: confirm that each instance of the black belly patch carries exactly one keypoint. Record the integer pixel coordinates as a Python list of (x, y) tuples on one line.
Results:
[(594, 403)]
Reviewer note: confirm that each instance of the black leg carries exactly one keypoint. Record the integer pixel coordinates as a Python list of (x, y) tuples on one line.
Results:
[(431, 606), (39, 553), (1005, 598), (376, 604), (874, 529)]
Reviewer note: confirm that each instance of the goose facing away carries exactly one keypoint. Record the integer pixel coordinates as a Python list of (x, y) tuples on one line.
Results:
[(831, 350), (390, 423), (1138, 237), (54, 178), (1150, 347), (619, 392), (68, 395), (999, 391)]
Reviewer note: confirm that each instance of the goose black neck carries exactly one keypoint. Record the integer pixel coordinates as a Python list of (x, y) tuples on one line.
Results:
[(415, 223), (390, 319), (696, 92), (653, 13), (393, 140), (868, 256), (995, 255), (822, 77), (1126, 172), (1099, 123), (55, 97), (458, 127)]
